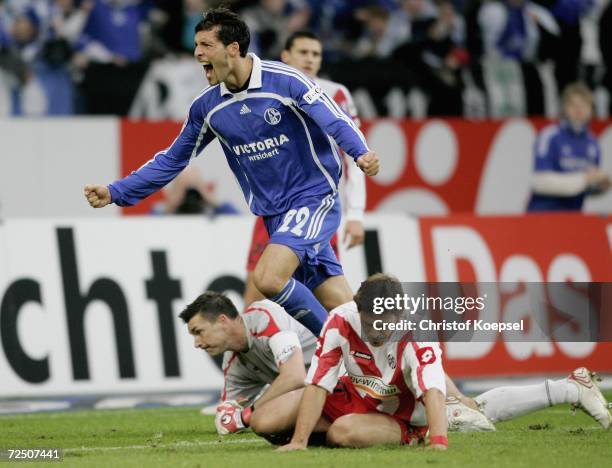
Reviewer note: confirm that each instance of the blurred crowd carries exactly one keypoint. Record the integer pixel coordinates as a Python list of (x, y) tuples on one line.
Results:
[(473, 58)]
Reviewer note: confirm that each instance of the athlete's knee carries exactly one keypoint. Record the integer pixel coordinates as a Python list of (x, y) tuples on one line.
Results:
[(267, 281), (342, 433)]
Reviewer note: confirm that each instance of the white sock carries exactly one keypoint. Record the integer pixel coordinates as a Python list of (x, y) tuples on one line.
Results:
[(563, 391), (503, 403)]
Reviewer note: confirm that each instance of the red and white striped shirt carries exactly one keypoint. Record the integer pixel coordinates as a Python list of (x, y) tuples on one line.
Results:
[(391, 378)]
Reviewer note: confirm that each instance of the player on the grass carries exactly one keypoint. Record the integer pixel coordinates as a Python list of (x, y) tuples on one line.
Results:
[(304, 51), (276, 127), (264, 353), (393, 391), (266, 334)]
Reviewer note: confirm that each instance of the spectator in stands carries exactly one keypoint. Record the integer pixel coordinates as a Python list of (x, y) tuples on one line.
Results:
[(271, 22), (68, 19), (567, 158), (22, 45), (25, 35), (436, 51), (511, 31), (192, 14), (567, 48), (605, 44), (112, 50), (381, 35), (65, 21)]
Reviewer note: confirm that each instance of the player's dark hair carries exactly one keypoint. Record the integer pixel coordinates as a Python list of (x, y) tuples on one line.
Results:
[(210, 305), (231, 27), (300, 35), (377, 285)]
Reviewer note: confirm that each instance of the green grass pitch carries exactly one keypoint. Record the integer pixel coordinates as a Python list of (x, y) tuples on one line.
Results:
[(181, 437)]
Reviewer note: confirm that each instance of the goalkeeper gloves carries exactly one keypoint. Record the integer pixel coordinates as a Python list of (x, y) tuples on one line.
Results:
[(231, 417)]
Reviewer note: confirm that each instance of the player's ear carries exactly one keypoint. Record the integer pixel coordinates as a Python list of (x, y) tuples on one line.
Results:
[(285, 56), (222, 319), (234, 49)]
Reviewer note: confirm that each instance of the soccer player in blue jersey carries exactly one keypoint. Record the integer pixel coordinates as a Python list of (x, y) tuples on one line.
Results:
[(277, 129), (567, 158)]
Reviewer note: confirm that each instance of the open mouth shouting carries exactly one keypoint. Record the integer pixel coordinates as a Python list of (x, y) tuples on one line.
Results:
[(208, 71)]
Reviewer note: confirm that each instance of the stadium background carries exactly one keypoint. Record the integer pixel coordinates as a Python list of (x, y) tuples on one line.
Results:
[(88, 298)]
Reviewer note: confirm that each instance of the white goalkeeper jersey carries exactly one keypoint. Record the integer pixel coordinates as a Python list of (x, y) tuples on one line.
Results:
[(354, 196), (390, 378), (273, 336)]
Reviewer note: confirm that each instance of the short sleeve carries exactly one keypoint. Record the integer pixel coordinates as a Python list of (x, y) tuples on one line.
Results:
[(283, 344), (326, 363), (422, 365)]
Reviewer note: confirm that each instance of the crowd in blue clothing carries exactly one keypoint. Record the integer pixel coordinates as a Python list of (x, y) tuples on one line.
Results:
[(63, 57)]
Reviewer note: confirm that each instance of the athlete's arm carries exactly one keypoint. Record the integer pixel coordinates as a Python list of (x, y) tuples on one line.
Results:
[(429, 382), (311, 99), (309, 413), (559, 184), (435, 409), (160, 170), (291, 377)]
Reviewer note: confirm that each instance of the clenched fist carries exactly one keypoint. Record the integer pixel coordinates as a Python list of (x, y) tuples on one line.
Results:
[(369, 163), (98, 196)]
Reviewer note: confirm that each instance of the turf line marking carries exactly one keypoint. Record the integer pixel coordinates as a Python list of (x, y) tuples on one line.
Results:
[(170, 445)]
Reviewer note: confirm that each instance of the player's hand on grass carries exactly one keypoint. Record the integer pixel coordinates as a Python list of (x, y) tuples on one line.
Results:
[(354, 234), (369, 163), (97, 196), (291, 447), (228, 419)]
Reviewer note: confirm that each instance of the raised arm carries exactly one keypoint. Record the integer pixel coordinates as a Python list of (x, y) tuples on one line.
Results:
[(158, 171), (325, 112)]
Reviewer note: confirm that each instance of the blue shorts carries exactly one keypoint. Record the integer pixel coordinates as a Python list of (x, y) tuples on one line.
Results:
[(307, 231)]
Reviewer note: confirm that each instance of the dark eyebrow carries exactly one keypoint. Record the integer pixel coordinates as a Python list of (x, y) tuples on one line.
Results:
[(193, 330)]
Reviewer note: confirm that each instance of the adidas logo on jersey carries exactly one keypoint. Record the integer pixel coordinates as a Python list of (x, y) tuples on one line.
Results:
[(244, 109)]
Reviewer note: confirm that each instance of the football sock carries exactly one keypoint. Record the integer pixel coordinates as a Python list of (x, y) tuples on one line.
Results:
[(302, 305), (503, 403), (563, 391)]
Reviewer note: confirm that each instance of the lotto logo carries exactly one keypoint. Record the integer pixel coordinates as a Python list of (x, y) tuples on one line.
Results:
[(426, 355)]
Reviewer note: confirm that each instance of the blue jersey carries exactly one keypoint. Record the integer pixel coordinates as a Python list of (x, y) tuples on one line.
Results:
[(561, 149), (276, 136)]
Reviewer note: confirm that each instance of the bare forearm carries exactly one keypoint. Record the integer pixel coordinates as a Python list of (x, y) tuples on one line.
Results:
[(435, 410), (309, 413), (559, 184)]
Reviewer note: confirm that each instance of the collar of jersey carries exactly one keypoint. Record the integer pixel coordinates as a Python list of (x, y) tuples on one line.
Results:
[(566, 124), (254, 82)]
